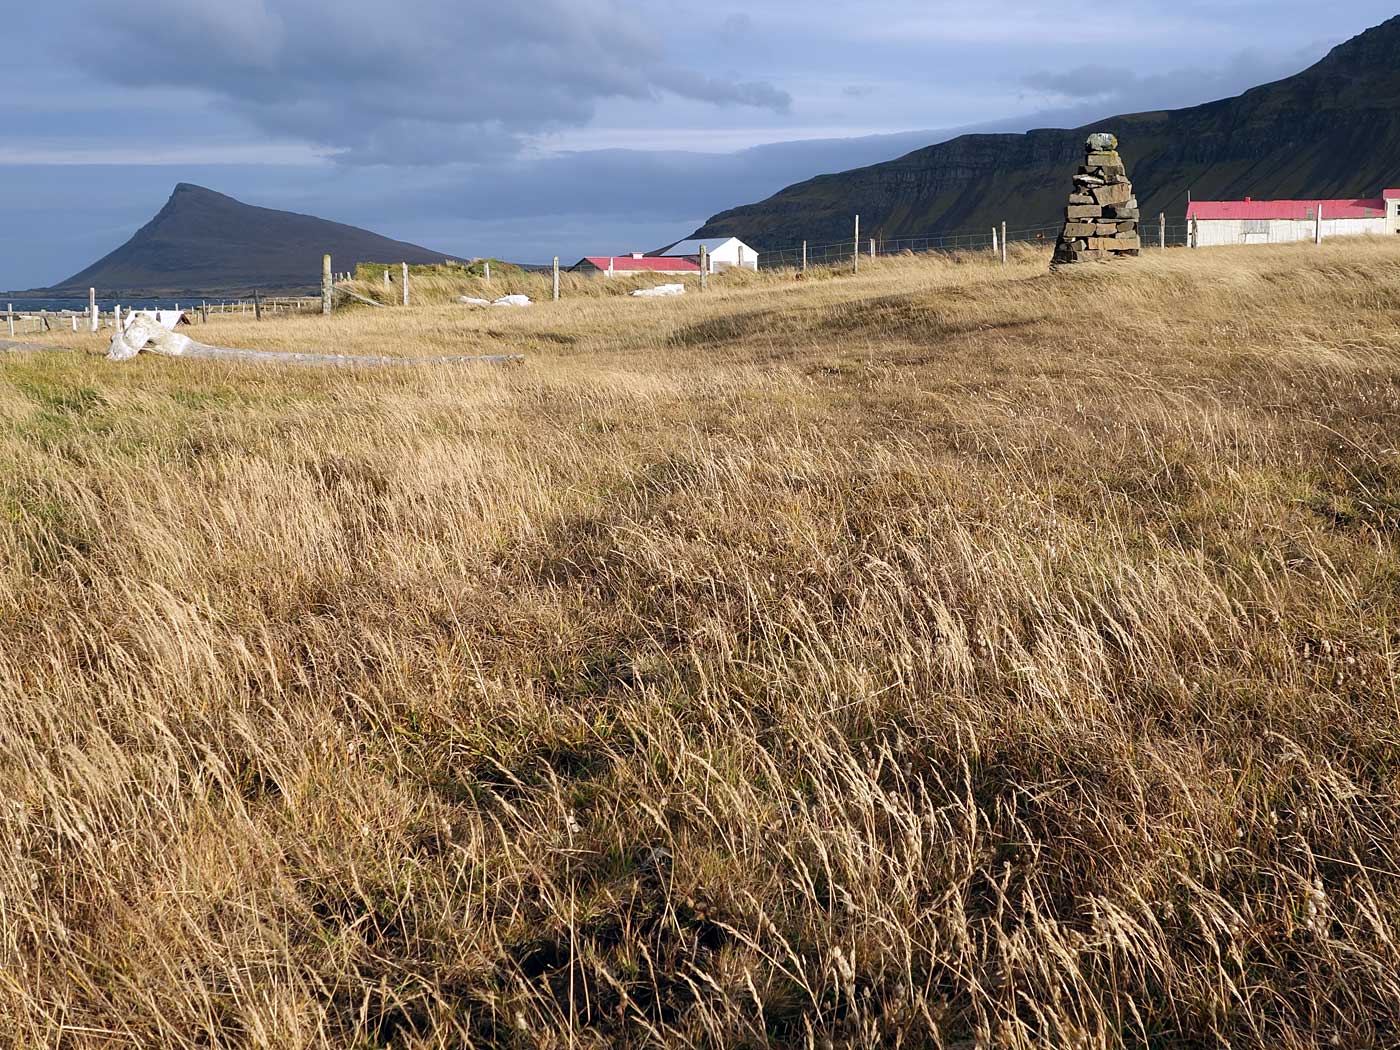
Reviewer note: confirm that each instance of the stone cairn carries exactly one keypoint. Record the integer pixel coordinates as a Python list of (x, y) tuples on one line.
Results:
[(1101, 221)]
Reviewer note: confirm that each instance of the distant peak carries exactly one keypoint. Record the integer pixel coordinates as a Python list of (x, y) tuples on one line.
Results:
[(189, 188)]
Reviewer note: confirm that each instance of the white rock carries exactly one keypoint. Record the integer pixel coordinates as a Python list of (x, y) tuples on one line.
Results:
[(513, 300), (659, 291)]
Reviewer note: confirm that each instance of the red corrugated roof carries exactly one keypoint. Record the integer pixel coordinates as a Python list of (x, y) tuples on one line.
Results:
[(1373, 208), (1391, 195), (625, 263)]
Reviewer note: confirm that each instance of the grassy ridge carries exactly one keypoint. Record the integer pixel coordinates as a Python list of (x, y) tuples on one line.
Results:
[(952, 655)]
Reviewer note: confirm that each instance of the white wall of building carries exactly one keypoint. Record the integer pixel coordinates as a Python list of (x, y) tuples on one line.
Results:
[(1392, 216), (1217, 232)]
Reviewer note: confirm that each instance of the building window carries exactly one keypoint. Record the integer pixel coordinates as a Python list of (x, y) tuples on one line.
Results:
[(1256, 226)]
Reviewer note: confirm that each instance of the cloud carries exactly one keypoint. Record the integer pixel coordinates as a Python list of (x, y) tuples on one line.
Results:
[(736, 27), (1106, 86), (413, 81)]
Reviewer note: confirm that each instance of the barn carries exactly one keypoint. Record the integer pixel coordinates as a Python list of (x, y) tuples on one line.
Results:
[(1215, 223), (634, 265), (725, 253)]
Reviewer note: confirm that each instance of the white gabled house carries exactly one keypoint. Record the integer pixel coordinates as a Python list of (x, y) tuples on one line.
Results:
[(725, 253)]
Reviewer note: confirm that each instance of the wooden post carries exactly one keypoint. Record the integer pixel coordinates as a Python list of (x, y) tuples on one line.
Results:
[(1195, 233), (857, 251), (487, 264), (92, 309), (10, 315), (1318, 238), (257, 305), (1003, 243), (74, 319), (405, 283), (872, 247), (327, 286), (704, 268), (1162, 230), (204, 311), (556, 278), (804, 256), (388, 281), (117, 317), (994, 240)]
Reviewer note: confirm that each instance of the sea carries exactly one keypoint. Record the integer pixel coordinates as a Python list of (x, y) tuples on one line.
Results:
[(30, 306)]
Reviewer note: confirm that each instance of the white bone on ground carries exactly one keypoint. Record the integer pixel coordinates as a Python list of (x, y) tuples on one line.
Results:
[(659, 291), (146, 333), (513, 300)]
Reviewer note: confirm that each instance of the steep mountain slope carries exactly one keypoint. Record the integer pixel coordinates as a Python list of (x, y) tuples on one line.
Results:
[(1333, 130), (203, 241)]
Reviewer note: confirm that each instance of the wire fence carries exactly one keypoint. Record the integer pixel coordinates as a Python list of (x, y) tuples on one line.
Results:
[(1154, 235)]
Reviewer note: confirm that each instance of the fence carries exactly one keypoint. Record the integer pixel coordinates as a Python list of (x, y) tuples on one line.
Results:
[(34, 322), (1154, 234)]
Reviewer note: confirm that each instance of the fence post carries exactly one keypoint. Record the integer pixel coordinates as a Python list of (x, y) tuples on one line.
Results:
[(1195, 233), (10, 315), (804, 256), (1162, 230), (92, 309), (257, 305), (857, 251), (704, 268), (405, 283), (388, 281), (488, 271), (204, 311), (1318, 238), (556, 278), (117, 317), (327, 285), (1003, 243)]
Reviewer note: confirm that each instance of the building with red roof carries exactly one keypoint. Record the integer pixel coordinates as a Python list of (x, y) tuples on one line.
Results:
[(1213, 223), (635, 264)]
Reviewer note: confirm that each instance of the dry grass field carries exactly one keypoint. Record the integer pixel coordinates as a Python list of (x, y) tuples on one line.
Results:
[(950, 656)]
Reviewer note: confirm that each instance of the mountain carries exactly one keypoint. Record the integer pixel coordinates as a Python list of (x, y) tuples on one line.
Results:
[(1330, 131), (203, 241)]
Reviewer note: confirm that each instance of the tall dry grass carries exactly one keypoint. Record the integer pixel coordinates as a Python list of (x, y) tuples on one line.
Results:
[(950, 656)]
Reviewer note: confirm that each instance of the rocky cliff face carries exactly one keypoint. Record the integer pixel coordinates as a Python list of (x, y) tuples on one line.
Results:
[(1331, 131), (203, 241)]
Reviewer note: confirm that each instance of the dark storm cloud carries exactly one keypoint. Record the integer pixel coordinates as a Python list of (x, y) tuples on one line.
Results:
[(413, 81)]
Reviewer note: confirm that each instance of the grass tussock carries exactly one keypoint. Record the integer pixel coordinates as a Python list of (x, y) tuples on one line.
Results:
[(948, 656)]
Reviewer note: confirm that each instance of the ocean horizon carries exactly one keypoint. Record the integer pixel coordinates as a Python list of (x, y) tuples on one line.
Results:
[(31, 304)]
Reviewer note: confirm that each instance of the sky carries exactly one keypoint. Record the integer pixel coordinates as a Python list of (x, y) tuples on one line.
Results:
[(524, 130)]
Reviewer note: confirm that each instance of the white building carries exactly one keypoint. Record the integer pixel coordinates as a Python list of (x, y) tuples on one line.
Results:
[(1214, 223), (725, 253)]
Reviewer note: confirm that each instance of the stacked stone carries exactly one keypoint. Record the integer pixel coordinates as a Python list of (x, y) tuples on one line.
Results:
[(1101, 221)]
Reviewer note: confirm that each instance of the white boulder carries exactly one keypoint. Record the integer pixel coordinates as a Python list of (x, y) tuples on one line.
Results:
[(659, 291)]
